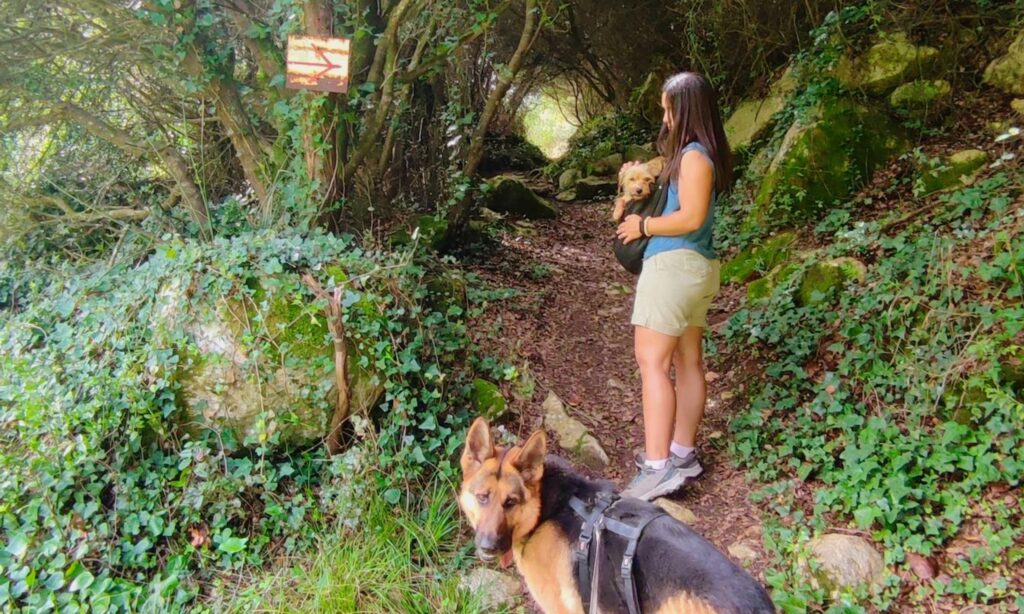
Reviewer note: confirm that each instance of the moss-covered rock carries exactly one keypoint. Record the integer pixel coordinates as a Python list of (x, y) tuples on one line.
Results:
[(566, 196), (590, 188), (639, 152), (510, 152), (487, 400), (822, 281), (263, 365), (890, 62), (1017, 104), (1007, 71), (751, 120), (606, 165), (758, 258), (958, 169), (753, 117), (825, 157), (921, 98), (567, 180), (760, 289), (511, 195)]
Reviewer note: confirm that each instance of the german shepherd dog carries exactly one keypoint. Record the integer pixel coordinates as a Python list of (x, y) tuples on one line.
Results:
[(517, 501)]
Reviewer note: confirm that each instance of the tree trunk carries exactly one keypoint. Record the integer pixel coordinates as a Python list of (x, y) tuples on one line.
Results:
[(458, 215), (172, 161), (321, 129)]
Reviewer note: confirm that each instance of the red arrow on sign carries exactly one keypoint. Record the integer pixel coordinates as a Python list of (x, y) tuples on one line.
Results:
[(318, 63)]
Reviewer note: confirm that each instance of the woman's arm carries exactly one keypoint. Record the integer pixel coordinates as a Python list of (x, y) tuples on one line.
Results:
[(694, 183)]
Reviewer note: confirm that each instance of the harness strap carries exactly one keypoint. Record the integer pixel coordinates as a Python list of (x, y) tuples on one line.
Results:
[(632, 533), (581, 555)]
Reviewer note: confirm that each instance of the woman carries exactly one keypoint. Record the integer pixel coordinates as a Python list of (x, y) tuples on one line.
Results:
[(680, 277)]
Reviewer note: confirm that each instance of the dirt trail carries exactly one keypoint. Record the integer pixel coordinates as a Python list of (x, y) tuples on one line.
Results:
[(570, 321)]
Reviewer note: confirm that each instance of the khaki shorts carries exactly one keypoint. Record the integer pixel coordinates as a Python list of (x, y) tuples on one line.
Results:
[(675, 290)]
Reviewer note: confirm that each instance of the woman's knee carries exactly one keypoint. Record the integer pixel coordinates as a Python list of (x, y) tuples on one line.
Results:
[(687, 354), (652, 359)]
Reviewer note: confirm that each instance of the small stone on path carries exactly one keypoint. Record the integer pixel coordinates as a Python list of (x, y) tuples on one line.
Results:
[(494, 588), (677, 510), (743, 551), (572, 435), (847, 561)]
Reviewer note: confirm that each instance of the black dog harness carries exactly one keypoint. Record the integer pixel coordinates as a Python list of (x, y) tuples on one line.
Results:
[(598, 517)]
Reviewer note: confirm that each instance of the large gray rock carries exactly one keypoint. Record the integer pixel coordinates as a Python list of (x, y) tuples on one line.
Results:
[(846, 561), (1007, 71), (607, 165), (494, 589), (567, 180), (921, 97), (590, 188), (573, 437), (642, 153), (511, 195), (960, 168), (825, 156), (226, 386), (752, 117)]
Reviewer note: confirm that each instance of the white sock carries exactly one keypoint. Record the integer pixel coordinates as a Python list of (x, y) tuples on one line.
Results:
[(656, 464), (680, 450)]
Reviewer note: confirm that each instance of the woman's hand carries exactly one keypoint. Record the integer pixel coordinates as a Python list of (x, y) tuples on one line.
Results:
[(629, 229)]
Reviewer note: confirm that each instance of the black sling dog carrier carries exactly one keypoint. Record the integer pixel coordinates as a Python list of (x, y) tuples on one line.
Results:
[(598, 517)]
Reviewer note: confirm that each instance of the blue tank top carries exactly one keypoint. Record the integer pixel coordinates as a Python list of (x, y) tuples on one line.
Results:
[(699, 240)]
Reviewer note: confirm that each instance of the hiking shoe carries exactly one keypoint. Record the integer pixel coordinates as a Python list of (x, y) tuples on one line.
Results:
[(688, 465), (651, 483)]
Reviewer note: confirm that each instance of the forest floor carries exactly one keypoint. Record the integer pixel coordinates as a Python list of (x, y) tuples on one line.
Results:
[(569, 322)]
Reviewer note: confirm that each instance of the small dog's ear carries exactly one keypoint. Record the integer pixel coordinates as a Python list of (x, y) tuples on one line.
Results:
[(530, 460), (656, 165), (479, 446)]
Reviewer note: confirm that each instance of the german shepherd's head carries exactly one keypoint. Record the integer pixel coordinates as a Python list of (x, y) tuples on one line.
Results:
[(500, 492)]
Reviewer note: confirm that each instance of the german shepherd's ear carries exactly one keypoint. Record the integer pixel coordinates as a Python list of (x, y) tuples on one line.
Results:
[(479, 446), (530, 460)]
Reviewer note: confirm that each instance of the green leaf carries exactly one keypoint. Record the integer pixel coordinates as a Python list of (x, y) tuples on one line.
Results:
[(81, 582), (233, 545), (392, 495)]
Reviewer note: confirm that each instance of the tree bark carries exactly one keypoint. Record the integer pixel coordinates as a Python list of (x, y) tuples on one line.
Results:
[(336, 324), (321, 124), (232, 115)]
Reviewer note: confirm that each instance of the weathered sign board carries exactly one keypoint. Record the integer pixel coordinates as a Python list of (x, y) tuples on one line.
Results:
[(318, 63)]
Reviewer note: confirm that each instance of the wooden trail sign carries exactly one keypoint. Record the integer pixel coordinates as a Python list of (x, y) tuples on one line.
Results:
[(318, 63)]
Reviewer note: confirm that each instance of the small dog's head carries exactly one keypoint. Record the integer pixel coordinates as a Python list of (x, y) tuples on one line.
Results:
[(636, 182), (500, 492)]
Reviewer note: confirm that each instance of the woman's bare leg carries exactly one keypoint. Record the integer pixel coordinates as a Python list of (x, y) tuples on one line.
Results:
[(690, 391), (654, 356)]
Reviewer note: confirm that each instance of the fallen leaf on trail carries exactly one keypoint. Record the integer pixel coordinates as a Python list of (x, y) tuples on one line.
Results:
[(923, 567), (199, 536), (711, 376)]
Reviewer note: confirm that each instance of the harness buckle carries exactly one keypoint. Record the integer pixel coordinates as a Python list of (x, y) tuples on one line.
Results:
[(627, 565)]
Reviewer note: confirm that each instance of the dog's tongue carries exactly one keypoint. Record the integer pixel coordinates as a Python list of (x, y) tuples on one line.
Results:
[(506, 559)]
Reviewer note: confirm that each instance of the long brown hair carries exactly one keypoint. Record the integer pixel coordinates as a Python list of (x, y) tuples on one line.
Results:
[(693, 105)]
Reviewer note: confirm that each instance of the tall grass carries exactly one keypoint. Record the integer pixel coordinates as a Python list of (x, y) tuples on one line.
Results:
[(402, 558)]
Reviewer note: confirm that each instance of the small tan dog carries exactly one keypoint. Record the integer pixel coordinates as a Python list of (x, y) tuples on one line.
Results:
[(636, 181)]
